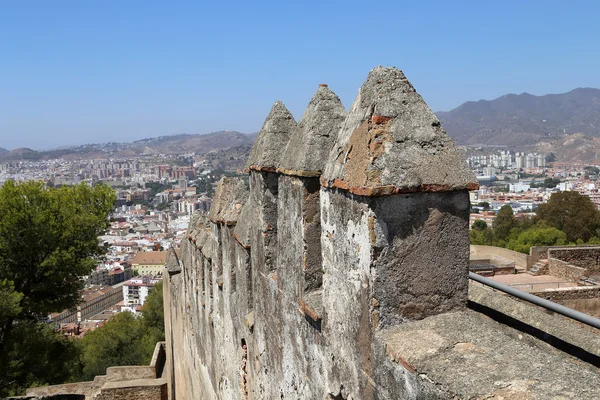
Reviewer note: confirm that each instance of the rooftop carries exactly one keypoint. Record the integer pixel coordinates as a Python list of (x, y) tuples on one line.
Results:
[(149, 258)]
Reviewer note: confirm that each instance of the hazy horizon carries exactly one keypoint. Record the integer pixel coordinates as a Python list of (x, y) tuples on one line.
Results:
[(117, 72)]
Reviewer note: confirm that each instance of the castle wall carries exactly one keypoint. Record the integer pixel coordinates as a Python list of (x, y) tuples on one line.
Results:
[(283, 286)]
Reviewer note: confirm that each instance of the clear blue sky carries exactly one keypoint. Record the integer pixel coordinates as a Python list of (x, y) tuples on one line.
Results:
[(74, 72)]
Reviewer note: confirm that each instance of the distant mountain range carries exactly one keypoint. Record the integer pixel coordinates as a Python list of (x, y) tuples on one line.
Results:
[(524, 119), (577, 147), (567, 124), (174, 144)]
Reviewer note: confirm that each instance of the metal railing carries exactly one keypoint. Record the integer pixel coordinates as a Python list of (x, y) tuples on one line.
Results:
[(547, 304)]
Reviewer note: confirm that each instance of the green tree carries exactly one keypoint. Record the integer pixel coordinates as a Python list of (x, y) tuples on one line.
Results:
[(591, 170), (482, 237), (504, 222), (594, 240), (153, 321), (571, 213), (124, 340), (537, 237), (485, 205), (115, 343), (10, 301), (479, 225), (48, 242), (153, 313), (37, 356)]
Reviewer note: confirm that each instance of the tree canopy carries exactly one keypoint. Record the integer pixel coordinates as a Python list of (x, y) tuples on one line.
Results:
[(537, 237), (124, 340), (504, 222), (567, 218), (571, 213), (479, 225), (48, 242)]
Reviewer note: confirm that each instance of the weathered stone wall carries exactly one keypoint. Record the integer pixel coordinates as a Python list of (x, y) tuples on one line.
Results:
[(589, 306), (577, 293), (585, 299), (564, 270), (143, 389), (350, 225), (584, 257)]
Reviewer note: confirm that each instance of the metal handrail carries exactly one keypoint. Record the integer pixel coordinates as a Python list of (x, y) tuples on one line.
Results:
[(547, 304)]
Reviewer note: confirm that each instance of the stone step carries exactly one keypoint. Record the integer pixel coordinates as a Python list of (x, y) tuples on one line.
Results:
[(542, 263)]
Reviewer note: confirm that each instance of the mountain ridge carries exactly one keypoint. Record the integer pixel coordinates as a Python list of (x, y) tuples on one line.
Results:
[(565, 123), (524, 119), (166, 144)]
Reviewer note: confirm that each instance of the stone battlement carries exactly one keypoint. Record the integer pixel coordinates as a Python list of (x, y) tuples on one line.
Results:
[(350, 243)]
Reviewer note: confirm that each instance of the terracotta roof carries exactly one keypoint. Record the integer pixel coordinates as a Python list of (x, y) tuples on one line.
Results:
[(150, 257)]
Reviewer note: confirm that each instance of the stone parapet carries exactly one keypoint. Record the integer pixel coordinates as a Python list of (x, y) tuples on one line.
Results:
[(327, 275)]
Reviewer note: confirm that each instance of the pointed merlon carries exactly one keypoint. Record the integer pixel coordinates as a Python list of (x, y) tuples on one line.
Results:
[(242, 232), (310, 143), (229, 198), (272, 139), (199, 229), (391, 142), (173, 265)]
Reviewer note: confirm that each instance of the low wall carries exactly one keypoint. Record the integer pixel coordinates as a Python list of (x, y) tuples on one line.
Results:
[(159, 359), (537, 253), (124, 382), (491, 267), (564, 270), (585, 299), (491, 252), (586, 306), (142, 389), (127, 373), (79, 388), (581, 256), (555, 326), (577, 293)]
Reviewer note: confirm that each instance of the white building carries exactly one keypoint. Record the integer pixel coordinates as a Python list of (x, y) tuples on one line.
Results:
[(530, 161), (518, 187), (541, 160), (565, 186), (136, 290), (520, 160)]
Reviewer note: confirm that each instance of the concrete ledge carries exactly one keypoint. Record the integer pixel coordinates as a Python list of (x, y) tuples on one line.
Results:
[(552, 325), (67, 388), (135, 383), (457, 352), (159, 359), (126, 373), (139, 389)]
